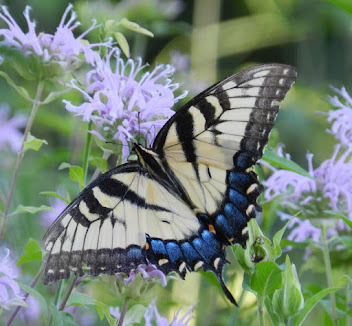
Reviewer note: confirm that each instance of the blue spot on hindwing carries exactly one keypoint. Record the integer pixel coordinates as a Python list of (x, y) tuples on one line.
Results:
[(242, 160), (158, 247), (134, 254), (190, 253), (239, 181), (238, 199), (204, 250), (210, 239), (174, 251), (223, 226), (235, 216)]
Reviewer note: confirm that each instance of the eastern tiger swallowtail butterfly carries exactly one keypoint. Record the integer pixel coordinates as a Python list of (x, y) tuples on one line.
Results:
[(187, 197)]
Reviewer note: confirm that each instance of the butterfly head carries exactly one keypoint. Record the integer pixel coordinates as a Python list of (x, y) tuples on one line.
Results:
[(148, 159)]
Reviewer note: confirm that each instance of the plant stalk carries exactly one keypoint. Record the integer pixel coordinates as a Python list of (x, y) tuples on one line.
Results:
[(328, 272), (36, 104), (260, 311), (68, 293), (87, 152), (123, 312)]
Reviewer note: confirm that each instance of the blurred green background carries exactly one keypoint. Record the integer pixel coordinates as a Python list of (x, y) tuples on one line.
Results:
[(207, 40)]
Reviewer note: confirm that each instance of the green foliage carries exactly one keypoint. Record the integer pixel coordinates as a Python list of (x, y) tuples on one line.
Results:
[(33, 143), (31, 209), (32, 251), (76, 173), (266, 278), (61, 318), (284, 163)]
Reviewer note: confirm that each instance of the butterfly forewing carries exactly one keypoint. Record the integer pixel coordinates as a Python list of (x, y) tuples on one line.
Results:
[(211, 142)]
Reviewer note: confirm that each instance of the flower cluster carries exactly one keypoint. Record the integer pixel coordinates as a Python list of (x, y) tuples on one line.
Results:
[(341, 119), (10, 134), (328, 188), (148, 272), (153, 314), (10, 292), (62, 47), (124, 102)]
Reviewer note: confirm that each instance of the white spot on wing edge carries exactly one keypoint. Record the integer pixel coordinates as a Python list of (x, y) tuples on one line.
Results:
[(262, 73), (228, 85), (198, 266), (49, 246), (182, 267)]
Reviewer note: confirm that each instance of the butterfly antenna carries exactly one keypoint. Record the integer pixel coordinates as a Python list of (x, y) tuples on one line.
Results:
[(226, 290)]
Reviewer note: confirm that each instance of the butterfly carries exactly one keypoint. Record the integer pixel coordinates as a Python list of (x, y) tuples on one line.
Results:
[(187, 197)]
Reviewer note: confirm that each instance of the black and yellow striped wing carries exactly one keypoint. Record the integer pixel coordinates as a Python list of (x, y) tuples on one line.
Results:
[(187, 197)]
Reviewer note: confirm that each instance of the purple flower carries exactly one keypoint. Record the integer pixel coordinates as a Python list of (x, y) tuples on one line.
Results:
[(149, 272), (124, 103), (10, 134), (331, 188), (61, 47), (49, 217), (341, 118), (153, 314), (10, 292), (180, 61)]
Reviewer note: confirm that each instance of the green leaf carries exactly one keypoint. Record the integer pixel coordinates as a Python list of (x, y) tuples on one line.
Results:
[(342, 216), (284, 163), (288, 300), (52, 193), (52, 96), (20, 90), (32, 252), (103, 310), (76, 173), (123, 44), (132, 26), (80, 299), (100, 163), (33, 143), (309, 305), (134, 315), (61, 318), (342, 4), (31, 209), (276, 252), (266, 278), (40, 299)]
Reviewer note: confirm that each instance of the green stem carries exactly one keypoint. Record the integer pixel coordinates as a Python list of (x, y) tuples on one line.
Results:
[(34, 282), (260, 311), (68, 293), (328, 272), (87, 152), (348, 302), (123, 312), (36, 104)]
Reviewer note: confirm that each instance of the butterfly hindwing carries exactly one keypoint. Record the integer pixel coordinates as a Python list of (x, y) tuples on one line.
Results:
[(119, 221)]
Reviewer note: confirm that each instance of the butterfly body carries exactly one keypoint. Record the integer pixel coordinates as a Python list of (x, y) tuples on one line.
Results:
[(187, 197)]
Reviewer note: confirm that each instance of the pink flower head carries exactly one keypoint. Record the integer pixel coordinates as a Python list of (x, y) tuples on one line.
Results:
[(153, 314), (329, 188), (341, 119), (61, 47), (125, 102)]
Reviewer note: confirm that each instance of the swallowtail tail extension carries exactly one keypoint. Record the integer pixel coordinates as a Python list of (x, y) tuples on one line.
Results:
[(187, 197)]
